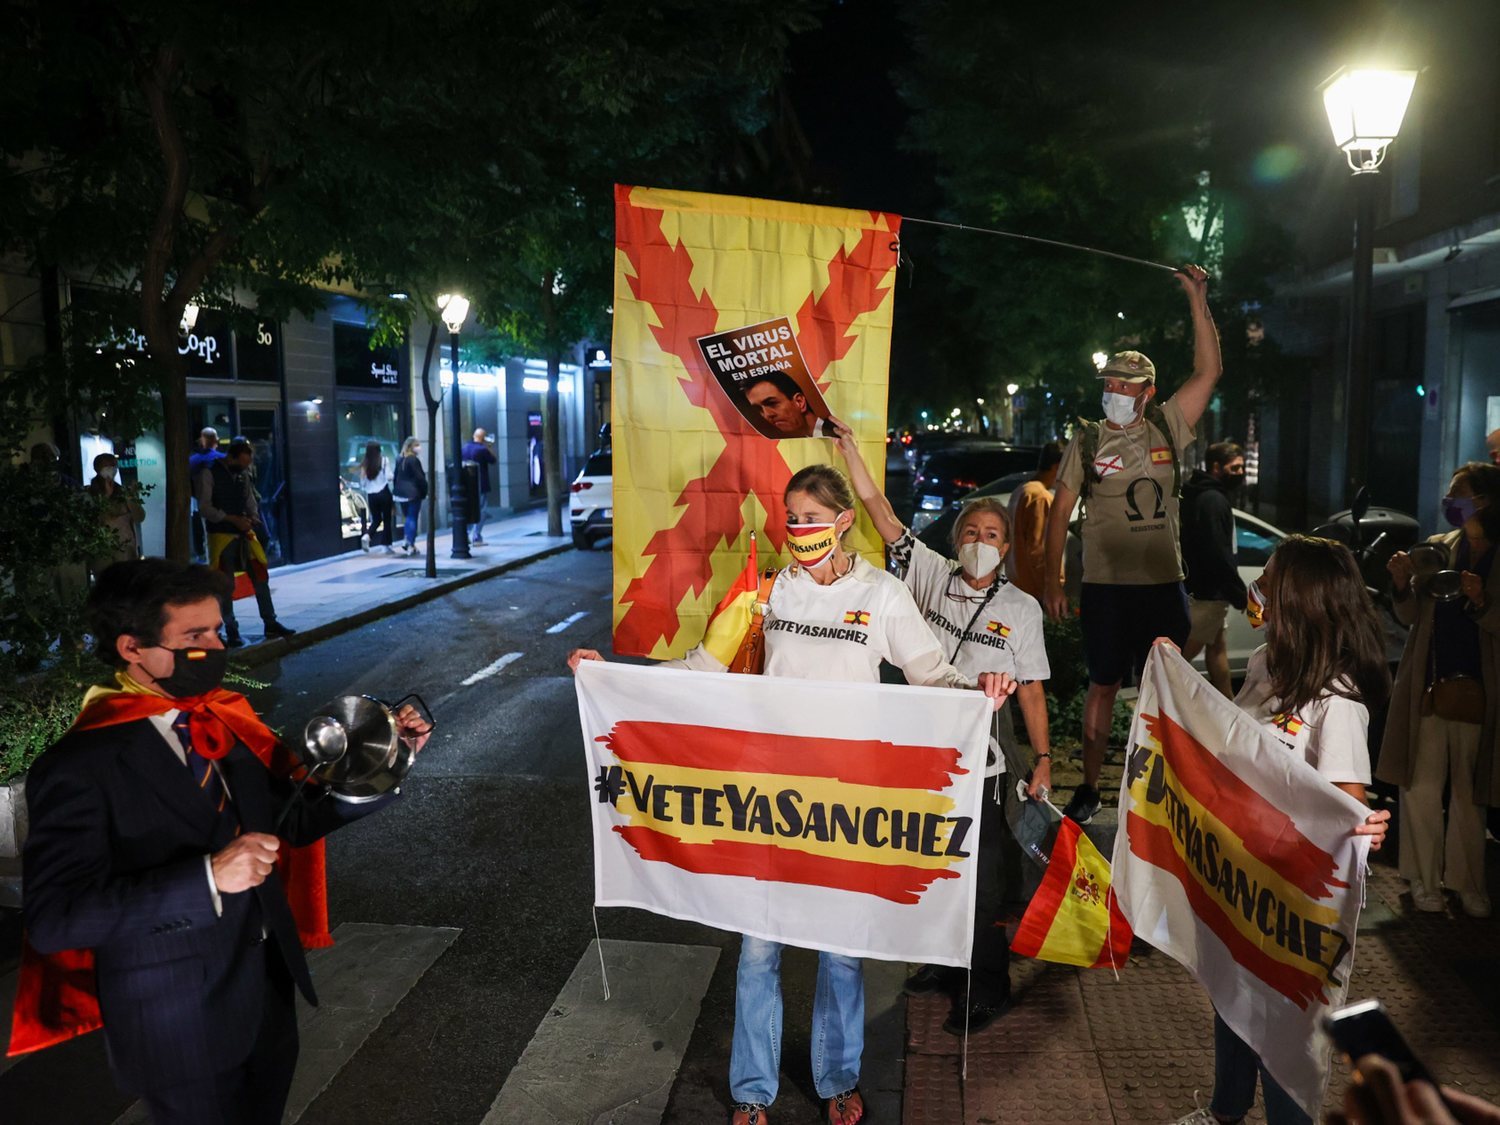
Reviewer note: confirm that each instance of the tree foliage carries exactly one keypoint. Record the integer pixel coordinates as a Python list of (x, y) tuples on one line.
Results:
[(249, 155), (1088, 125)]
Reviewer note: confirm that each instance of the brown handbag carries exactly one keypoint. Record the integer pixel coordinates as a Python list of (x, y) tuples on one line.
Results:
[(750, 659), (1459, 699)]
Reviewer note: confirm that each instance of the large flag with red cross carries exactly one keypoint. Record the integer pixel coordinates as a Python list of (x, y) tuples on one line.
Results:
[(741, 326)]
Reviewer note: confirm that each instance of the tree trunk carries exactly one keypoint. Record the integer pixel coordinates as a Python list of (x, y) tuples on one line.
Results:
[(432, 422), (176, 449)]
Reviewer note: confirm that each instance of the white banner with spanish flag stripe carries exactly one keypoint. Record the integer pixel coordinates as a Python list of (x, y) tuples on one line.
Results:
[(1235, 857), (832, 816)]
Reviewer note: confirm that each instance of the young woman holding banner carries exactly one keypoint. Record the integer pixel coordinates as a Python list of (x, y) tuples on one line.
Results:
[(984, 623), (816, 591), (1312, 686)]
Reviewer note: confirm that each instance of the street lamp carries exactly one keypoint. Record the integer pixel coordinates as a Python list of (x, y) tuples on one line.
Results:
[(1100, 359), (1365, 108), (455, 310)]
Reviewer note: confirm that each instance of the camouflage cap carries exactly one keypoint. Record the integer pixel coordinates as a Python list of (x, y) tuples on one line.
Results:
[(1131, 367)]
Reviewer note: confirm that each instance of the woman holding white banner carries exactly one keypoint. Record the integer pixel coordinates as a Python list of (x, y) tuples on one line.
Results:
[(984, 624), (807, 636), (1311, 685)]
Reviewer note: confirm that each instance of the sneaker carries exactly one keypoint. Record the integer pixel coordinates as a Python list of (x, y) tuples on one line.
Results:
[(408, 548), (980, 1016), (277, 629), (477, 542), (234, 640), (364, 543), (1084, 803), (926, 980), (1428, 902), (1476, 904), (1200, 1116)]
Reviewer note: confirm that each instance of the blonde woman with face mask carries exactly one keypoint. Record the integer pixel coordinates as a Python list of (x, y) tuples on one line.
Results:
[(984, 623), (832, 616)]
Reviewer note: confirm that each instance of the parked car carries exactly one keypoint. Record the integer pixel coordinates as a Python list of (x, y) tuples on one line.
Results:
[(1254, 540), (951, 473), (592, 508)]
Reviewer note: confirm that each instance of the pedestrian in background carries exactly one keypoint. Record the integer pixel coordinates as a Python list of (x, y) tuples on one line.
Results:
[(479, 452), (202, 457), (410, 487), (1214, 585), (375, 480), (1029, 507), (119, 510), (1444, 720), (231, 512), (1127, 470)]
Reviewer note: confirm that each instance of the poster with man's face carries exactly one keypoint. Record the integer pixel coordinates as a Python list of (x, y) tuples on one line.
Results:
[(762, 371)]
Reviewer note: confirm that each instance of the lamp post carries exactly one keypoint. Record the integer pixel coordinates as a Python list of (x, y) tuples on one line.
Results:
[(455, 310), (1364, 108)]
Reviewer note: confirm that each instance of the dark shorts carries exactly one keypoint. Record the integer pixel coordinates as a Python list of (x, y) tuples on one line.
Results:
[(1120, 622)]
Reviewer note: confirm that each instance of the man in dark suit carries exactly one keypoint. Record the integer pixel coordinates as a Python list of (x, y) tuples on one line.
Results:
[(151, 845)]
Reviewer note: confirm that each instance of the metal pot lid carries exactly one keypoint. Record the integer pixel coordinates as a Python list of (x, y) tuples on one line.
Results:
[(1428, 558), (1444, 586)]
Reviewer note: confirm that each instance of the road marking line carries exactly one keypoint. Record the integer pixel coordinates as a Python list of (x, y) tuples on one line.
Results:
[(360, 981), (566, 621), (492, 669), (655, 994)]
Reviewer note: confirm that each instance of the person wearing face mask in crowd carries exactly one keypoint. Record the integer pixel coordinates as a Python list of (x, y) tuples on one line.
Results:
[(984, 623), (1444, 721), (1128, 471), (231, 511), (1311, 686), (832, 616), (1214, 585), (120, 510), (153, 849)]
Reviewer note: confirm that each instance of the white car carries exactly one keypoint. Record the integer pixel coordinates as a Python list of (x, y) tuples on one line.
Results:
[(591, 508)]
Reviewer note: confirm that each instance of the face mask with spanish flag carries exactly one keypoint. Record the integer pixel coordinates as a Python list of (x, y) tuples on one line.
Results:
[(1255, 604), (811, 544)]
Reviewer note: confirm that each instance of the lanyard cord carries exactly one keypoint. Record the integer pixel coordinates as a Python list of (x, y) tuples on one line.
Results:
[(988, 594)]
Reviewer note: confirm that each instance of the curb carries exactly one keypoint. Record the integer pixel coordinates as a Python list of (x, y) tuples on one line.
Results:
[(263, 651)]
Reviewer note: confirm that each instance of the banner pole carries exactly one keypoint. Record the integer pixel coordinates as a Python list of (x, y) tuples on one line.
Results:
[(599, 945)]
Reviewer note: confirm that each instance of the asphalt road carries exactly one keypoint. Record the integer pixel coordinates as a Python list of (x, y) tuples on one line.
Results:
[(492, 835)]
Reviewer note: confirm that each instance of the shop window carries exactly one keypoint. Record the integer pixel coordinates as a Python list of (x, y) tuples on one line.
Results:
[(359, 424)]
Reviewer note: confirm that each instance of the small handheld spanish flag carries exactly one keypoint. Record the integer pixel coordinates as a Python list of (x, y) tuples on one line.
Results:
[(1073, 919), (731, 617)]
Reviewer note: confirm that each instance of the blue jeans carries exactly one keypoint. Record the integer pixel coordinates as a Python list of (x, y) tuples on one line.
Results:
[(412, 511), (838, 1031), (476, 530), (1236, 1068)]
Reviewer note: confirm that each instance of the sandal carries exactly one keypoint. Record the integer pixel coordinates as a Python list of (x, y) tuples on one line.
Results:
[(749, 1113), (838, 1110)]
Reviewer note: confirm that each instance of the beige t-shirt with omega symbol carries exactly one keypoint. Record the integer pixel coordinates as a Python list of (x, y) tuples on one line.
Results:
[(1131, 533)]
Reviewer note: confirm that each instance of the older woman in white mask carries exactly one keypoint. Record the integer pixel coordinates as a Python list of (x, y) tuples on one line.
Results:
[(983, 624)]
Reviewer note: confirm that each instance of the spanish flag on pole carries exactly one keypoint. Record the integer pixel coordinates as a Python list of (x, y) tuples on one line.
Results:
[(1073, 919), (731, 618)]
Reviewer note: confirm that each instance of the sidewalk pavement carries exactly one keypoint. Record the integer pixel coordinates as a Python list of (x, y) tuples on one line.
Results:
[(1081, 1045), (330, 596)]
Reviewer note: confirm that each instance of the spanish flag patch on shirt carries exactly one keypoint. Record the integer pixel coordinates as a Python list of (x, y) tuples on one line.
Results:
[(1161, 455), (997, 627), (857, 617)]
